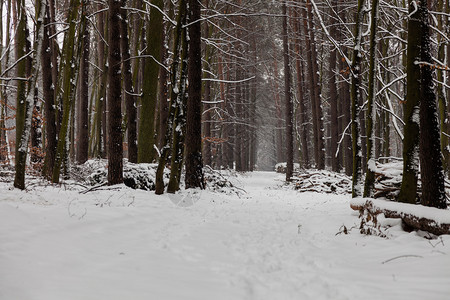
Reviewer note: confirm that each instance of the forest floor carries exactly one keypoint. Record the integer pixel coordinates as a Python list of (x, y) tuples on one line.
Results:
[(269, 242)]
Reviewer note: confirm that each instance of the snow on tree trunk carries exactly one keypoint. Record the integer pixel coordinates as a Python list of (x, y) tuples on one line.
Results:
[(176, 70), (431, 170), (408, 191), (70, 61), (355, 96), (130, 101), (371, 107)]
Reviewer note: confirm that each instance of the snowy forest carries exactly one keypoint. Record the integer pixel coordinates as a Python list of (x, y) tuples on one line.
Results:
[(259, 149)]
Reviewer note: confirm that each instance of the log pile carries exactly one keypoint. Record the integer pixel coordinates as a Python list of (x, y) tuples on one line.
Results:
[(432, 220), (388, 180), (322, 181)]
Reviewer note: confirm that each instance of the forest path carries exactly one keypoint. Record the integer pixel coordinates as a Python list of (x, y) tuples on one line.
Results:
[(268, 243)]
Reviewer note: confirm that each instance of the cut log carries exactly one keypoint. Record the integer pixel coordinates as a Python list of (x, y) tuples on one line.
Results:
[(432, 220)]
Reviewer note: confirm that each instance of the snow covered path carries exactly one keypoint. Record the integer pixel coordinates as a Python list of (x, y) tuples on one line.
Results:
[(270, 243)]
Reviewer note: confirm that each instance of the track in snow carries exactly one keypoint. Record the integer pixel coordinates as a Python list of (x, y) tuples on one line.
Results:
[(271, 243)]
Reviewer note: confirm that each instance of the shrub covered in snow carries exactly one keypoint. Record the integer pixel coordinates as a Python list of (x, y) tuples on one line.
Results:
[(222, 181), (136, 176)]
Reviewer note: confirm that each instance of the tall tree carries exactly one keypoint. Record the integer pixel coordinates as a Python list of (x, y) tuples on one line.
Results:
[(371, 108), (26, 95), (21, 103), (441, 95), (115, 149), (408, 191), (146, 138), (83, 113), (314, 86), (288, 98), (334, 118), (301, 110), (431, 169), (48, 86), (194, 164), (69, 65), (177, 91), (355, 96), (130, 99)]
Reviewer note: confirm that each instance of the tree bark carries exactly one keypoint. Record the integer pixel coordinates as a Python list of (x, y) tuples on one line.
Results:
[(48, 86), (441, 95), (130, 99), (115, 148), (431, 169), (194, 164), (21, 104), (355, 96), (288, 99), (301, 109), (371, 108), (83, 113), (335, 160), (146, 137), (176, 91), (99, 149), (70, 62), (320, 162), (408, 191)]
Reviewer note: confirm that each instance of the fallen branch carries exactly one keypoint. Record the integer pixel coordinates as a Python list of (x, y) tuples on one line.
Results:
[(94, 188), (402, 256), (433, 220)]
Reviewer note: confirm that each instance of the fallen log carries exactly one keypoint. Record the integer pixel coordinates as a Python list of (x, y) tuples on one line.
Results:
[(430, 219)]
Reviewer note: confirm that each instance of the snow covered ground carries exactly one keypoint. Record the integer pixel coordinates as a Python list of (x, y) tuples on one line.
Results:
[(270, 243)]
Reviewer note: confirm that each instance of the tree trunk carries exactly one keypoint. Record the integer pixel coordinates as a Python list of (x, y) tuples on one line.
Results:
[(312, 89), (371, 108), (48, 86), (130, 99), (194, 164), (279, 131), (345, 99), (83, 113), (99, 118), (115, 149), (355, 96), (441, 96), (5, 147), (335, 160), (21, 104), (163, 91), (320, 163), (70, 61), (179, 122), (431, 170), (146, 138), (176, 92), (408, 191), (288, 100)]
